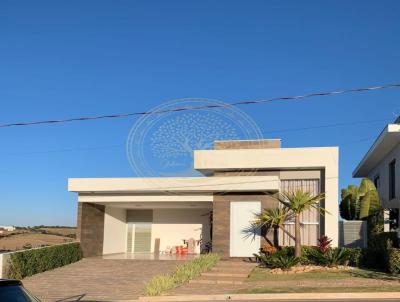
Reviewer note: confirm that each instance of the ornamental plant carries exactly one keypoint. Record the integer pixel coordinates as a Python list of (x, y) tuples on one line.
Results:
[(268, 249), (358, 203), (324, 244)]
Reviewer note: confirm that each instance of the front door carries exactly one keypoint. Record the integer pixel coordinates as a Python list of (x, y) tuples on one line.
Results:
[(142, 242), (244, 241)]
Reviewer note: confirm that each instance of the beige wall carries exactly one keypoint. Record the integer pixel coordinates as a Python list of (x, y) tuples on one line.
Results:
[(173, 225), (325, 159), (114, 230)]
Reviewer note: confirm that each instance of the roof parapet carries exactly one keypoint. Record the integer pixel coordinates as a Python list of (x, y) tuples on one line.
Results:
[(247, 144)]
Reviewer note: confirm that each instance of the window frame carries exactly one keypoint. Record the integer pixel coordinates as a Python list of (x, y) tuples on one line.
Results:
[(392, 179)]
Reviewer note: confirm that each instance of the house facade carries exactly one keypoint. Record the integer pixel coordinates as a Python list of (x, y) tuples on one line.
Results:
[(381, 164), (240, 178)]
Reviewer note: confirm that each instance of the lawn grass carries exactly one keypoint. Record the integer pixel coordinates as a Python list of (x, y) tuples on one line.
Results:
[(183, 273), (262, 274), (360, 289)]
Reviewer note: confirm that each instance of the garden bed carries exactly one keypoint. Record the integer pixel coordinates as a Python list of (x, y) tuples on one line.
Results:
[(308, 268)]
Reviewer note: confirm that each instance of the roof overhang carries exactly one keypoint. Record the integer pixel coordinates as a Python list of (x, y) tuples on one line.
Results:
[(386, 141), (161, 185)]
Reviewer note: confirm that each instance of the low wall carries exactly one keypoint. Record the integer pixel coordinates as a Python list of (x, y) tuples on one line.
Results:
[(353, 233), (5, 258)]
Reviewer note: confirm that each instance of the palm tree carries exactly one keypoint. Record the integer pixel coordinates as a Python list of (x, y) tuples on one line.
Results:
[(296, 202), (273, 218)]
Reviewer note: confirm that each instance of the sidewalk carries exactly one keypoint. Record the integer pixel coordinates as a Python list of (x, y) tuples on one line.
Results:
[(275, 297)]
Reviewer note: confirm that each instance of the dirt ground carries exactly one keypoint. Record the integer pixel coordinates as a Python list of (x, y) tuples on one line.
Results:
[(36, 239)]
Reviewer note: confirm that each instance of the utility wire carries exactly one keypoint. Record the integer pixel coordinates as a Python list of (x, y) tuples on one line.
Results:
[(353, 123), (262, 101)]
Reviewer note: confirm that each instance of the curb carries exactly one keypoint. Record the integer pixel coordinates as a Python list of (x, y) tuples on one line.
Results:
[(268, 297)]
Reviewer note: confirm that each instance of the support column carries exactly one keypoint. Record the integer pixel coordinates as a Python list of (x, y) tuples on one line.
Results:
[(90, 230)]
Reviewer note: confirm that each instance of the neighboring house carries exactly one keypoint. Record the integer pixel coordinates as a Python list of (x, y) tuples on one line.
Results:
[(381, 164), (124, 215), (8, 228)]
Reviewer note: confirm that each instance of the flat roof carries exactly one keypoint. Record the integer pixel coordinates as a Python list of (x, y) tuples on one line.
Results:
[(388, 139), (153, 185)]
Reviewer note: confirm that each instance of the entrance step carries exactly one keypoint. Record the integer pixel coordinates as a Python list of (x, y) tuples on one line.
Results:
[(236, 263), (226, 273), (233, 275), (231, 270), (207, 281)]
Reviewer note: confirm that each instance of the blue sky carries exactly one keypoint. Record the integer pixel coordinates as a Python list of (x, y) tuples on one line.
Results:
[(62, 59)]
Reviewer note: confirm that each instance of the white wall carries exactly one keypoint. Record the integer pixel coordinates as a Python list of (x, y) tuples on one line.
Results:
[(115, 230), (3, 264), (173, 225), (383, 171)]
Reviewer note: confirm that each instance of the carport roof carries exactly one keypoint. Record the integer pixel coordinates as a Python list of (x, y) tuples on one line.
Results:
[(174, 184)]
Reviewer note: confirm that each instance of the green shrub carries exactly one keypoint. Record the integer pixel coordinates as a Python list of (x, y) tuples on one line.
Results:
[(374, 259), (305, 258), (332, 257), (284, 262), (352, 256), (183, 273), (384, 240), (375, 223), (376, 255), (283, 259), (393, 261), (306, 255), (355, 256), (263, 259), (29, 262)]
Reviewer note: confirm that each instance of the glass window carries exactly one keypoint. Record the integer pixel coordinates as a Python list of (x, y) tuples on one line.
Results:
[(377, 181), (392, 180)]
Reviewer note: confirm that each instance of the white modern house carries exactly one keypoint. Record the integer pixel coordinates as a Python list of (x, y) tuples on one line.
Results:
[(381, 165), (153, 215)]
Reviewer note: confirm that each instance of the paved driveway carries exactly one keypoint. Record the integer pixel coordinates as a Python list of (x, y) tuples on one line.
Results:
[(95, 279)]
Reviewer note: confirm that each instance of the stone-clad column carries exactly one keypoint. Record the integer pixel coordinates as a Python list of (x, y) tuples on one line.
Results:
[(90, 230)]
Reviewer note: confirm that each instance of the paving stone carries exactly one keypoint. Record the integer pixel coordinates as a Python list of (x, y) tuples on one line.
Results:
[(96, 279)]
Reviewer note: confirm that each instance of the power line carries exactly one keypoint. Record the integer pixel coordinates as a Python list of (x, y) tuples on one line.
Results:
[(190, 108), (353, 123), (328, 126)]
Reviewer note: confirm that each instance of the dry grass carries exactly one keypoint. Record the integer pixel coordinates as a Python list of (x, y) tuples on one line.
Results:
[(17, 241), (60, 231)]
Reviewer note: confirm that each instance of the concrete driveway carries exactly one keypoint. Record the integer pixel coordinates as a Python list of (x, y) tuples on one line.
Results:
[(96, 279)]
